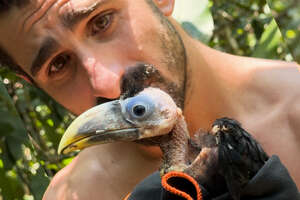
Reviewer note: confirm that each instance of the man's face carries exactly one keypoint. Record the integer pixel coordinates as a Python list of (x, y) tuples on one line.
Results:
[(78, 50)]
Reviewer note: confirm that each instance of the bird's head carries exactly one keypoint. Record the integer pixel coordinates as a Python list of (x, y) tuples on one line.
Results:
[(150, 113)]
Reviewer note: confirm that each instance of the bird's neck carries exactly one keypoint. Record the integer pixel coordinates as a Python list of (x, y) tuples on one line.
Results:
[(175, 147)]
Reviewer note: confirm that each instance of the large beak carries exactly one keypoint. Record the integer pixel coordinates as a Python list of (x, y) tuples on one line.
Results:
[(101, 124)]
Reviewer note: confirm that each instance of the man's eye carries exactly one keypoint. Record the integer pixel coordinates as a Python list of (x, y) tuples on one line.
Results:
[(59, 64), (100, 23)]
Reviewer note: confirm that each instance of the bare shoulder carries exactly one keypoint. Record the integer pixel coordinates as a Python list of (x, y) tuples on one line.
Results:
[(275, 80), (81, 179), (279, 78), (279, 82), (115, 168), (272, 87), (275, 95), (272, 73), (278, 73)]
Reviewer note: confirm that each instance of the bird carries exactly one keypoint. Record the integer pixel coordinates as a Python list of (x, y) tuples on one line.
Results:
[(222, 159)]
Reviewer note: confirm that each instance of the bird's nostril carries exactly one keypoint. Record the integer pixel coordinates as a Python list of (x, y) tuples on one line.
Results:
[(139, 110)]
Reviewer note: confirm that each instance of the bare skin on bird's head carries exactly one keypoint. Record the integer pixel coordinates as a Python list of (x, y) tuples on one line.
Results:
[(149, 114)]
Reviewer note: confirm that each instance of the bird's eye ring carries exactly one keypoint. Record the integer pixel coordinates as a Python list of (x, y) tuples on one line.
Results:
[(139, 110)]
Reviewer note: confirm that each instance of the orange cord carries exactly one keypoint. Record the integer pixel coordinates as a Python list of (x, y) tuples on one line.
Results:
[(127, 197), (178, 192)]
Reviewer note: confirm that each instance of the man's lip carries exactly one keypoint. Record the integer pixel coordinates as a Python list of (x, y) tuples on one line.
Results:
[(101, 137)]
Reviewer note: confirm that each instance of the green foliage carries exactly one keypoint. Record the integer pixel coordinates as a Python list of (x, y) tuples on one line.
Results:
[(269, 42), (197, 22), (287, 15), (247, 28), (12, 141), (31, 123)]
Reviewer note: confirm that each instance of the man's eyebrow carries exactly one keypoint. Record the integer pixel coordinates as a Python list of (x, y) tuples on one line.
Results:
[(48, 47), (71, 19)]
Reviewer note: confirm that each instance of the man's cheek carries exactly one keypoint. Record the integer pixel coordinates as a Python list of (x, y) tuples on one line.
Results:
[(137, 37), (76, 97)]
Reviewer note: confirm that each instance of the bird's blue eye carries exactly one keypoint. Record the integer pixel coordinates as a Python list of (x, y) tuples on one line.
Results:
[(139, 107)]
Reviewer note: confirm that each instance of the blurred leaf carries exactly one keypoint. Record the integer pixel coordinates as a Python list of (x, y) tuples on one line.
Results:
[(38, 184), (5, 128), (287, 15), (67, 161), (8, 164), (14, 139), (16, 134), (197, 22), (290, 34), (11, 187), (269, 41)]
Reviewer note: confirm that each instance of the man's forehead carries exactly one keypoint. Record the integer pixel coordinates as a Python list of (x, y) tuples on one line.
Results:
[(23, 44), (11, 38), (55, 8)]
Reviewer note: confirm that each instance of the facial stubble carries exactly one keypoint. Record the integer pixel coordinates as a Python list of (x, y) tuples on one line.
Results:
[(174, 59)]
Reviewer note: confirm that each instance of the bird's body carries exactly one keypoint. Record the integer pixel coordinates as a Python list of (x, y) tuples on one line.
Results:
[(223, 159)]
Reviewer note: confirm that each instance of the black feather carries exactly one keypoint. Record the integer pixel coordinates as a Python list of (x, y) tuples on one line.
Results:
[(240, 155)]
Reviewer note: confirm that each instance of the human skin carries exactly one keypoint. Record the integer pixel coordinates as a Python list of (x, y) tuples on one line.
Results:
[(262, 94)]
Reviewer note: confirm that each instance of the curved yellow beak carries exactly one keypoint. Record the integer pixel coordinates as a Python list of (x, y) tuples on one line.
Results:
[(101, 124)]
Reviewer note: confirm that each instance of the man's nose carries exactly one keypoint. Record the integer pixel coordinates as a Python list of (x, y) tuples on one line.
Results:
[(104, 80)]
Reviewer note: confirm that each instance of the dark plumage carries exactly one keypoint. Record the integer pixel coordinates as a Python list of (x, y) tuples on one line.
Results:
[(231, 155)]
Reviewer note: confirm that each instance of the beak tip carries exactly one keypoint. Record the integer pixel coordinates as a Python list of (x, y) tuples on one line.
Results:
[(64, 144), (60, 150), (64, 150), (66, 147), (82, 132)]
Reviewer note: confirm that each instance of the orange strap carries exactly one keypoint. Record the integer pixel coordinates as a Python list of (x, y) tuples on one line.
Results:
[(127, 197), (177, 192)]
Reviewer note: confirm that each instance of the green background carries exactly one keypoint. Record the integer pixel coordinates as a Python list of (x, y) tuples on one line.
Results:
[(31, 123)]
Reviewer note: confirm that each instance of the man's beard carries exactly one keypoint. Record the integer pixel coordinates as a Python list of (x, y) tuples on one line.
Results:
[(143, 75)]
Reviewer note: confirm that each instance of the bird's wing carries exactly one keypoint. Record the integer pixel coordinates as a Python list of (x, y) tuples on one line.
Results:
[(240, 155)]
